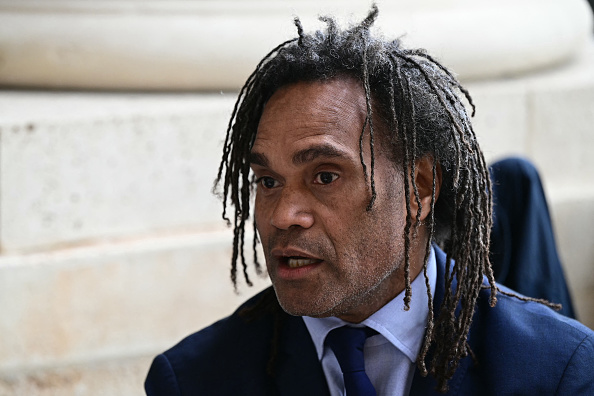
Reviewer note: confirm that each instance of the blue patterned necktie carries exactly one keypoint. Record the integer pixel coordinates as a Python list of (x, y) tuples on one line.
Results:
[(347, 344)]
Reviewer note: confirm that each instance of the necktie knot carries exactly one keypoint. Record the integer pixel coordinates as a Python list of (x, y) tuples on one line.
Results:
[(347, 344)]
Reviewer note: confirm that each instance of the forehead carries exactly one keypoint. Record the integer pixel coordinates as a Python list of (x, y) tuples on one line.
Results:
[(335, 108)]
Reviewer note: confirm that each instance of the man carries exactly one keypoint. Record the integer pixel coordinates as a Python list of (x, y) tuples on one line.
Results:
[(362, 156)]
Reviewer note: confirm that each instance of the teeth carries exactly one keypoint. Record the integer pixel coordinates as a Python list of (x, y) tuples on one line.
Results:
[(299, 262)]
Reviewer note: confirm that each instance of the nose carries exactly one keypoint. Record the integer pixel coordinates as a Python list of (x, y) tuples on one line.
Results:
[(292, 209)]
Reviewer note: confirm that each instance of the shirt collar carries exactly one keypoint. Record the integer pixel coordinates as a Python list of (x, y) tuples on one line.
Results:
[(404, 329)]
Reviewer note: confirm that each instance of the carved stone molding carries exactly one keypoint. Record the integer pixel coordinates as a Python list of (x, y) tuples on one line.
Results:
[(213, 45)]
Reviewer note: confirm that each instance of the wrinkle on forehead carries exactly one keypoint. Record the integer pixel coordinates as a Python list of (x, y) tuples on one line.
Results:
[(346, 100)]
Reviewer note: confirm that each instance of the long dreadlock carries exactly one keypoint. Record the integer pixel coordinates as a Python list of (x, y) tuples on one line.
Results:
[(420, 102)]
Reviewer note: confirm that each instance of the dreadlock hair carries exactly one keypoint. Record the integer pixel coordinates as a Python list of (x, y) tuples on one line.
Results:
[(419, 101)]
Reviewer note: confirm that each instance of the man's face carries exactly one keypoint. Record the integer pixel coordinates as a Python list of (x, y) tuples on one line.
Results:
[(326, 255)]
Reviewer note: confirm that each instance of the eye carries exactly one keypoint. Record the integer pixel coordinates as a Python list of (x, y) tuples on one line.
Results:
[(325, 178), (267, 182)]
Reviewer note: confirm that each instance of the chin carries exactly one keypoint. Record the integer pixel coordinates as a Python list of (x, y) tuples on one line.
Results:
[(297, 307)]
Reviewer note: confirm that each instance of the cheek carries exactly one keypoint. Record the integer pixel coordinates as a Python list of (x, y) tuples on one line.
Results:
[(346, 209), (261, 216), (381, 230)]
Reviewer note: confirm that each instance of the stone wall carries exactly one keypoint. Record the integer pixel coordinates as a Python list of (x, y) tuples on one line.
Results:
[(112, 246)]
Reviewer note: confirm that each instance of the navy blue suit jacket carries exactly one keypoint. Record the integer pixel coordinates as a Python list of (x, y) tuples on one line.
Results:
[(523, 348)]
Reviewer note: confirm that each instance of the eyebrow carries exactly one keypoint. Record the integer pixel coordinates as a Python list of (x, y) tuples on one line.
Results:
[(258, 159), (302, 156), (312, 153)]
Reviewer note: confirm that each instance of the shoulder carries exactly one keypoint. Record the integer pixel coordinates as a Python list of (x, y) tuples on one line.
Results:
[(528, 321), (201, 362), (550, 350), (234, 334)]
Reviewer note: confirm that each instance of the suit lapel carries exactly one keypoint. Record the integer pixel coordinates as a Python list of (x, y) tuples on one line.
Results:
[(427, 385), (299, 371)]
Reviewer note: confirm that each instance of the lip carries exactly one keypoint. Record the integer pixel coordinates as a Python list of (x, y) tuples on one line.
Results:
[(285, 272)]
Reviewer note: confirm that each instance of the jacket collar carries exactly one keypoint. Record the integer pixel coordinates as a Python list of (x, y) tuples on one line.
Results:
[(423, 386)]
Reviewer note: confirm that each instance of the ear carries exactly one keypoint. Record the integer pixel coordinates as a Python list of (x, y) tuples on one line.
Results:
[(424, 179)]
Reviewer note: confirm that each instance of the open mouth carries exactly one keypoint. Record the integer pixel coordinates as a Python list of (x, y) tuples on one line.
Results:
[(296, 262)]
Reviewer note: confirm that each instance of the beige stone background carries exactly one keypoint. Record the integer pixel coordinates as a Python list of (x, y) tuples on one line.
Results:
[(112, 115)]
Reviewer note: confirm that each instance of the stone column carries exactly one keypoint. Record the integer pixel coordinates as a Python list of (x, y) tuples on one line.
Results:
[(213, 45)]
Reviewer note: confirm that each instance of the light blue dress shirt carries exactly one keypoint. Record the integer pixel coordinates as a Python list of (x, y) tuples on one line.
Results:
[(390, 356)]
